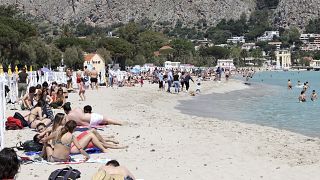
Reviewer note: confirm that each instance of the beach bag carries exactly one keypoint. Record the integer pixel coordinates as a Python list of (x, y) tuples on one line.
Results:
[(13, 124), (29, 146), (65, 174), (21, 118), (103, 175)]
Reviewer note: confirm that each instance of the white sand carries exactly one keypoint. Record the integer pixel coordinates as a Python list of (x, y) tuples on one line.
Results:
[(165, 144)]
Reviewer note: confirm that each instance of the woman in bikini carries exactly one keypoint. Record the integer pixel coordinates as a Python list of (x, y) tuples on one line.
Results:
[(82, 90), (86, 138), (62, 144), (35, 116)]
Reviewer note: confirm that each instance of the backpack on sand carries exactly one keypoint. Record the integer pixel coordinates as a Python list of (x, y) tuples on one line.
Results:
[(65, 174), (29, 146), (21, 118)]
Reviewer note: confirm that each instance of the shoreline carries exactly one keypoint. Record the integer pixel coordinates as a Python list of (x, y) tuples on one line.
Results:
[(166, 144)]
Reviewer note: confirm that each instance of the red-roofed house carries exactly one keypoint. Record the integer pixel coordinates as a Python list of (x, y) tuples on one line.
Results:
[(94, 60)]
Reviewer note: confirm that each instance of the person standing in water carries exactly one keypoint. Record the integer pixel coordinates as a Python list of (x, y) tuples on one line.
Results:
[(289, 84), (302, 97), (314, 95)]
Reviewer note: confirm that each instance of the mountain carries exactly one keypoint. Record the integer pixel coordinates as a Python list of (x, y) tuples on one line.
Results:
[(107, 12)]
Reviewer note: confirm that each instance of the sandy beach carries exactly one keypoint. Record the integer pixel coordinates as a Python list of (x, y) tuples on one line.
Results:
[(166, 144)]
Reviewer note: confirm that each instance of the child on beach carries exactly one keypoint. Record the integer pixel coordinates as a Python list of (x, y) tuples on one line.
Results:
[(82, 89)]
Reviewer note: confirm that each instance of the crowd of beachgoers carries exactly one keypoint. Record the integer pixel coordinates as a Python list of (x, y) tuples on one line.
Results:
[(55, 131)]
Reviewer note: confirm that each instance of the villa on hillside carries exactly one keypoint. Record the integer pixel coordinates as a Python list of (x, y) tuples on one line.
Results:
[(236, 39), (94, 60), (311, 42), (268, 36)]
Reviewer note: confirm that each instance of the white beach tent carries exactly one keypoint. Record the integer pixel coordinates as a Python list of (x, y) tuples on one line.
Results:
[(2, 111)]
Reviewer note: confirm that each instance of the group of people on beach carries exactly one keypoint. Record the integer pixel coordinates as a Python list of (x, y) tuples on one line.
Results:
[(305, 86), (56, 132)]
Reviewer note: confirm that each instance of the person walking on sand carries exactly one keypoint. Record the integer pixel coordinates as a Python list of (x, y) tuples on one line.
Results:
[(170, 79), (314, 95), (82, 90), (94, 78), (187, 78), (22, 83), (176, 82)]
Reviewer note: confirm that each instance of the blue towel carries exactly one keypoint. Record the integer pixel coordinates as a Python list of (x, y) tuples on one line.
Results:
[(93, 150)]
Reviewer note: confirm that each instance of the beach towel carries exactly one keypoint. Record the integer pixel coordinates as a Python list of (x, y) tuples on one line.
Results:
[(73, 161), (93, 150), (85, 128)]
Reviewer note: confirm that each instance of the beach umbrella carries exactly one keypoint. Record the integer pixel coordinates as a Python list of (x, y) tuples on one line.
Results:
[(1, 69), (16, 70), (44, 69)]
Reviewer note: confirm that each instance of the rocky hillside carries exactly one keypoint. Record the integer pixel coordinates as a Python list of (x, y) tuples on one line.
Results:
[(296, 12), (106, 12)]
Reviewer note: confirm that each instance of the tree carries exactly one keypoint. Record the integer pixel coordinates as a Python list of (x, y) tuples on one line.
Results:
[(235, 53), (129, 32), (105, 54), (181, 47), (150, 41), (215, 51), (73, 57), (218, 36), (290, 36)]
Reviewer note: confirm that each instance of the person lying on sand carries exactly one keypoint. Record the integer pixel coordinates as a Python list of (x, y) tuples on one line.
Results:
[(86, 117)]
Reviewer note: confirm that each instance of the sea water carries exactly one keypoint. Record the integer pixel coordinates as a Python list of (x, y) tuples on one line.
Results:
[(267, 102)]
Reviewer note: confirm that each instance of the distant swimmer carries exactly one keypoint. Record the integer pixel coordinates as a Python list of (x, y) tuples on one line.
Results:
[(314, 95), (299, 83), (302, 97), (305, 86), (289, 84)]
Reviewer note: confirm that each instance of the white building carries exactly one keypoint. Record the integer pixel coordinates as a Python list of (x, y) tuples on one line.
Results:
[(236, 39), (249, 46), (311, 42), (226, 64), (277, 44), (171, 65), (268, 36), (315, 63), (283, 59)]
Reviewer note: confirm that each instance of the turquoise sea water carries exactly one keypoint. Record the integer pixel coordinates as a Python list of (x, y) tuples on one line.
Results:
[(268, 102)]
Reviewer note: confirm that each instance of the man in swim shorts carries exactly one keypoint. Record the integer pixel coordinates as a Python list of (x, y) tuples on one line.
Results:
[(94, 119), (94, 78)]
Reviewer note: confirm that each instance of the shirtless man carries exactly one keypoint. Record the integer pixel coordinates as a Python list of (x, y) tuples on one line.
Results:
[(94, 119), (86, 117), (113, 168), (94, 78), (314, 95)]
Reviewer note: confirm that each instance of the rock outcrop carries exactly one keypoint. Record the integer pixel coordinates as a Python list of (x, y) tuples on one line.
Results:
[(106, 12), (296, 13)]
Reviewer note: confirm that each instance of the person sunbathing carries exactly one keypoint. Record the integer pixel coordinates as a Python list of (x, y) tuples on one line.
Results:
[(113, 168), (34, 117), (86, 117), (94, 119), (83, 138), (62, 141)]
